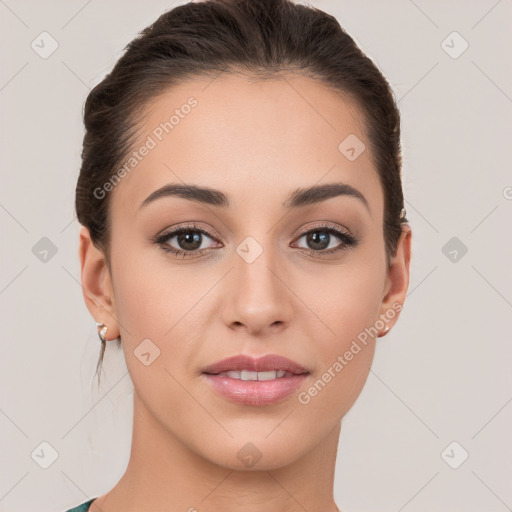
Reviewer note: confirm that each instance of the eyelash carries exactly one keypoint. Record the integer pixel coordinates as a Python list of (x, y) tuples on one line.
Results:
[(346, 239)]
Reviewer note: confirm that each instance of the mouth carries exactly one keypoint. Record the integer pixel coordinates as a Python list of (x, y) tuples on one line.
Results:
[(259, 376), (255, 381)]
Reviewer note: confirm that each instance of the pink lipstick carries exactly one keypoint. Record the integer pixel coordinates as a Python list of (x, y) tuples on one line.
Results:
[(255, 381)]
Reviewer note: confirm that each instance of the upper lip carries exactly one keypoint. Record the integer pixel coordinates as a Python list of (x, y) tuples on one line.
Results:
[(261, 364)]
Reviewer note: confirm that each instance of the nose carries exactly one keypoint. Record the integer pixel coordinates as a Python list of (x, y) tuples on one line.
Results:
[(256, 298)]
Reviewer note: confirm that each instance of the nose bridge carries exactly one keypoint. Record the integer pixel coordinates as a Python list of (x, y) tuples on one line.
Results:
[(257, 298)]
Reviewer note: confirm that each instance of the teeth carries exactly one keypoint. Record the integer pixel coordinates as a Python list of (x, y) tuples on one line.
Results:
[(249, 375), (270, 375)]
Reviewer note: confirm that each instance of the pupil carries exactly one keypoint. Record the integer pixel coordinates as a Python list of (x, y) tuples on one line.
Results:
[(189, 238), (314, 239)]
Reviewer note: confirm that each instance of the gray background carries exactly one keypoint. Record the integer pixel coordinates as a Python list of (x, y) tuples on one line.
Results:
[(442, 375)]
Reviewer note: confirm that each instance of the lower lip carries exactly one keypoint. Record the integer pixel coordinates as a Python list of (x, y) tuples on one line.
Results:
[(254, 392)]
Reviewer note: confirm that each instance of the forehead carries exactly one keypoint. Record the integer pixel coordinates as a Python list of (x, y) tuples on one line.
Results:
[(252, 139)]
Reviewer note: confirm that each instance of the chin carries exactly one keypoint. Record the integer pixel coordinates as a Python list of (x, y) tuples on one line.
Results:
[(255, 453)]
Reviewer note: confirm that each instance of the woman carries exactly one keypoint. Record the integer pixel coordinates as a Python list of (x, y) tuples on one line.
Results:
[(244, 241)]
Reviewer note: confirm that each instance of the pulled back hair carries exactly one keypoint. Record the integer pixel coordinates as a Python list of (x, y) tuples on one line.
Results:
[(259, 37)]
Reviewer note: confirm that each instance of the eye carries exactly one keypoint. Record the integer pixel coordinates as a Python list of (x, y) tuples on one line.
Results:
[(190, 240), (321, 240)]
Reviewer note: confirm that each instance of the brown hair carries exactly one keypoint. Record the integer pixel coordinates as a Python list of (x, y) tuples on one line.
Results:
[(262, 37)]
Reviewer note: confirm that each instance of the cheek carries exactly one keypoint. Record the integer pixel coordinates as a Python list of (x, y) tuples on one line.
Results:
[(346, 295), (151, 294), (346, 305), (343, 301), (165, 304), (154, 306)]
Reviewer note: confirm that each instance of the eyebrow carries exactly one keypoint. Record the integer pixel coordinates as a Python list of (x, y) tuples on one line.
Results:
[(298, 198)]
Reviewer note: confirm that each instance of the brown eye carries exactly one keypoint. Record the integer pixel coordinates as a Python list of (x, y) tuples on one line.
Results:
[(318, 240), (188, 241), (322, 240)]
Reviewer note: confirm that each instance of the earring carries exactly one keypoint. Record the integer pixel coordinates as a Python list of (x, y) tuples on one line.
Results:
[(102, 330), (386, 329)]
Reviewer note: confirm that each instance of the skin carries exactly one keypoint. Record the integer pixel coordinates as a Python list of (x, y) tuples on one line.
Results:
[(256, 141)]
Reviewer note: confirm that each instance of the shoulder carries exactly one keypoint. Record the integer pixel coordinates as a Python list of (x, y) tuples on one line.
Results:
[(84, 507)]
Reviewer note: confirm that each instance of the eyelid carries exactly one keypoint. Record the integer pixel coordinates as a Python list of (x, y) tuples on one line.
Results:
[(199, 226), (323, 225), (193, 226)]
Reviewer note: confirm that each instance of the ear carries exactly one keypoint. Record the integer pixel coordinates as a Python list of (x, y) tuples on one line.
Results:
[(397, 280), (97, 284)]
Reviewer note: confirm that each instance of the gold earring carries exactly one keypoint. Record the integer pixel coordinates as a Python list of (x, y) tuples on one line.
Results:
[(102, 330)]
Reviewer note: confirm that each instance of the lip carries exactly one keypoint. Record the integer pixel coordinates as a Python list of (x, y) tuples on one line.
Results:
[(251, 392), (260, 364)]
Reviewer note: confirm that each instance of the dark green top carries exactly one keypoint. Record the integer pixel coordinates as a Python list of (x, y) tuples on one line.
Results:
[(84, 507)]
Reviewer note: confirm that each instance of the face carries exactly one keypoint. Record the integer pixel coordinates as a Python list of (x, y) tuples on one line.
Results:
[(262, 269)]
